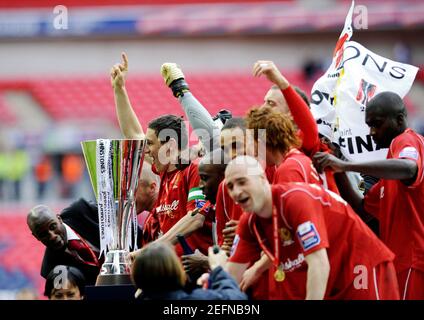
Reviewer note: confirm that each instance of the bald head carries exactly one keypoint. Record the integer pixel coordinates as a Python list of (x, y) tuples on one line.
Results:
[(147, 189), (387, 103), (385, 115), (245, 165), (37, 214), (248, 186), (47, 227)]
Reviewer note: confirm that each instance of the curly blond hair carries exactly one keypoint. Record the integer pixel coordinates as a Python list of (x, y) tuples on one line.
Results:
[(281, 135)]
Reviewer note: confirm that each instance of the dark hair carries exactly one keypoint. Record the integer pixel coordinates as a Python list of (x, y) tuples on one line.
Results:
[(299, 91), (235, 122), (170, 126), (157, 269), (71, 274)]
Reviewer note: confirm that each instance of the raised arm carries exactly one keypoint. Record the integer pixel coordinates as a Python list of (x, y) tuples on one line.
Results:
[(199, 118), (128, 121), (299, 110)]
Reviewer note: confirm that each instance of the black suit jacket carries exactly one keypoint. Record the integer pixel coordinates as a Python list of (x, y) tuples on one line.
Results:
[(81, 216)]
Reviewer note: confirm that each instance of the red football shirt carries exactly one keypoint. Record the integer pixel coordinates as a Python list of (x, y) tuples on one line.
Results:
[(226, 210), (179, 193), (399, 207), (270, 172), (308, 132), (296, 167), (311, 218)]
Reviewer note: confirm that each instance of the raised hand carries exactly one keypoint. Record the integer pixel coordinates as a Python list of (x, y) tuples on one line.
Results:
[(268, 69), (118, 72)]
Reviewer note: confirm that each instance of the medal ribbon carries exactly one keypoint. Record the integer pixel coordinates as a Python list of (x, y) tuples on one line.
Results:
[(276, 257)]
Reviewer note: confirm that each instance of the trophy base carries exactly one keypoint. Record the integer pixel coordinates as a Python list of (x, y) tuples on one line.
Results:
[(115, 270), (113, 279)]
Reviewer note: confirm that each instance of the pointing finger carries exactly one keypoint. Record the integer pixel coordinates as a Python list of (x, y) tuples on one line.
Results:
[(125, 60)]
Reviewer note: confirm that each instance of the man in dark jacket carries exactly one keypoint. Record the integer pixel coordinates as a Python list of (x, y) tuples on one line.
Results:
[(71, 238)]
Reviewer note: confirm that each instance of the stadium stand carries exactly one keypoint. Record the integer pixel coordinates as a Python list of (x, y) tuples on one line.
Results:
[(73, 98)]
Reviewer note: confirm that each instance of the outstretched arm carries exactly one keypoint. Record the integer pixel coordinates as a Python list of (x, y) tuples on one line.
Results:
[(392, 169), (199, 118), (128, 121), (299, 110), (188, 224)]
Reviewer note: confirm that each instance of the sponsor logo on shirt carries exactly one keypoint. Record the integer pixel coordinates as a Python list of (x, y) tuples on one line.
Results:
[(168, 208), (382, 192), (308, 235), (409, 152), (291, 265)]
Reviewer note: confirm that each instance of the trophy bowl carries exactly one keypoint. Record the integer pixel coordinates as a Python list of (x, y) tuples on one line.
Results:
[(114, 167)]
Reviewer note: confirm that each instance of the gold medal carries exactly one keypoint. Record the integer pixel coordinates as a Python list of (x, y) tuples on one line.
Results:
[(279, 275)]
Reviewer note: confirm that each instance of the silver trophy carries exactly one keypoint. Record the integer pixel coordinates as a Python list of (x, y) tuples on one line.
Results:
[(114, 167)]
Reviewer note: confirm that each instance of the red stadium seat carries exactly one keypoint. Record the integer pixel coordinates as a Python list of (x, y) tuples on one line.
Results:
[(73, 98)]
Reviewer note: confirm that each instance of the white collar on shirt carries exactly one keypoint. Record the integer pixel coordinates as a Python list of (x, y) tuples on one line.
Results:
[(70, 234)]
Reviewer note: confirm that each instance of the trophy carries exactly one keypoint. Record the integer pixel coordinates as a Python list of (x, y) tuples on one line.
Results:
[(114, 167)]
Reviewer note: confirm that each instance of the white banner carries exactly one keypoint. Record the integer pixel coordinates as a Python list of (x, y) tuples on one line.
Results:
[(105, 196), (340, 96)]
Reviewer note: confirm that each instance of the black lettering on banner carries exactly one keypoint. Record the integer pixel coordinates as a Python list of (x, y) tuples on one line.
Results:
[(366, 144), (381, 69), (350, 145), (357, 144), (396, 72), (400, 71), (342, 142), (355, 55), (318, 96)]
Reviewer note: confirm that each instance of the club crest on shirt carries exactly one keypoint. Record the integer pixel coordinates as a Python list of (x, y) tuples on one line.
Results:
[(308, 235), (286, 237)]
